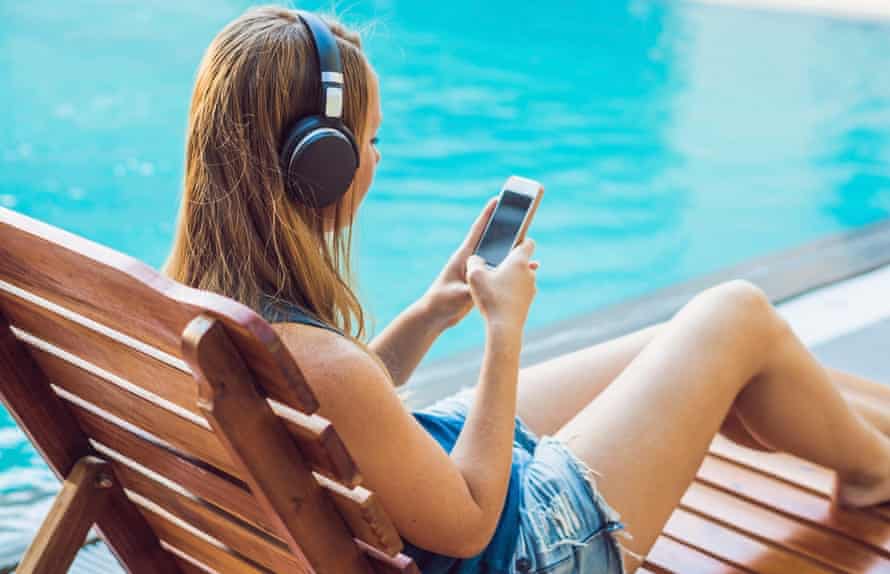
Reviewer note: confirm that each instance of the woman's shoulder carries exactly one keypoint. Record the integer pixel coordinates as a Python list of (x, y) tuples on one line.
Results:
[(320, 352)]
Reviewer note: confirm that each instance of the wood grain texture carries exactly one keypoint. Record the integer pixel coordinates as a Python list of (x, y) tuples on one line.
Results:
[(130, 297), (801, 473), (736, 548), (203, 481), (183, 542), (56, 434), (669, 555), (257, 439), (771, 527), (796, 503), (138, 363), (164, 379), (107, 332), (240, 537), (768, 513), (365, 516), (113, 403), (81, 501), (385, 564)]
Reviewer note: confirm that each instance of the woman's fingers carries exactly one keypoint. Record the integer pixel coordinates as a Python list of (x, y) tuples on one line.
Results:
[(524, 250), (474, 262), (521, 254)]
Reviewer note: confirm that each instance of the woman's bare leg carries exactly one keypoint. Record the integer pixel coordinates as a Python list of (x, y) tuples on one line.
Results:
[(553, 391), (647, 434), (868, 398)]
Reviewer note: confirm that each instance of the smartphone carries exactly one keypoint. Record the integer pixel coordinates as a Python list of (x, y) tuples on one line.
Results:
[(507, 226)]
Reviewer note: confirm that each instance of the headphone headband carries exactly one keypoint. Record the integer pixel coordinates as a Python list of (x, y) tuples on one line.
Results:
[(328, 55), (319, 156)]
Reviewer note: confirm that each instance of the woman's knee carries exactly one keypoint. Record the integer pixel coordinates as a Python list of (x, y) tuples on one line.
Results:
[(741, 310)]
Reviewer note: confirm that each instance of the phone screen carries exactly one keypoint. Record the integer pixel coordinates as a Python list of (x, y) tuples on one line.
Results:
[(503, 227)]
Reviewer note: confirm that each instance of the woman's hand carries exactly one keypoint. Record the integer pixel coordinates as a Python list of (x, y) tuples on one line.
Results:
[(449, 297), (505, 293)]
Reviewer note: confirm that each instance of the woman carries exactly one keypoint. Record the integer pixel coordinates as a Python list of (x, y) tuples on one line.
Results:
[(499, 478)]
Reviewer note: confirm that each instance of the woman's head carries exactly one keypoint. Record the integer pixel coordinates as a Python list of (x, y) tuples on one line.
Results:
[(239, 233)]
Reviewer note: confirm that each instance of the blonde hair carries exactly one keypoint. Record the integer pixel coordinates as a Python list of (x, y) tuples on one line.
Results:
[(238, 233)]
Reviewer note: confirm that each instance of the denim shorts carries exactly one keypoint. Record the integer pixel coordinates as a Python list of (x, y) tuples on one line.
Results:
[(566, 526)]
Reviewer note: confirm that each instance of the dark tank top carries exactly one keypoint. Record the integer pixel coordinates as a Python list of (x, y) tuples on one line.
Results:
[(281, 311)]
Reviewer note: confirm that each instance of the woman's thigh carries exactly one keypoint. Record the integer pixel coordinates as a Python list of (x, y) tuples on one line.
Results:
[(553, 391), (647, 434)]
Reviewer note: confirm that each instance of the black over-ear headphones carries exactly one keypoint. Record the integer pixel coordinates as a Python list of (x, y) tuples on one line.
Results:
[(319, 157)]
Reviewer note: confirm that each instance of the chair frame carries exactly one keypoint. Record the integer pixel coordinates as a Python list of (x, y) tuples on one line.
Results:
[(326, 526)]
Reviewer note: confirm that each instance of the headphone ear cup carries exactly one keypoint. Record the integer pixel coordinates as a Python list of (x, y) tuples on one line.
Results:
[(319, 160)]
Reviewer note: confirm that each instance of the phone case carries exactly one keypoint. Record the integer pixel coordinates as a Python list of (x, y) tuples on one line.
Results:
[(520, 185)]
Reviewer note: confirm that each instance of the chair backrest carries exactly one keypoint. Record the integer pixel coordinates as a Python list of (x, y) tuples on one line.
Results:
[(205, 417)]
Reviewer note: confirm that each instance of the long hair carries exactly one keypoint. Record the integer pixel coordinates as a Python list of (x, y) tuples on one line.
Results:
[(238, 233)]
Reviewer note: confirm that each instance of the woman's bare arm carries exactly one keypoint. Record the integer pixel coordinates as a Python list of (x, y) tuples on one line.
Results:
[(405, 341), (484, 449), (447, 504)]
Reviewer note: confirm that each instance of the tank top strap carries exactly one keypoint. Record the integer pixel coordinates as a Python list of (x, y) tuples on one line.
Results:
[(281, 311)]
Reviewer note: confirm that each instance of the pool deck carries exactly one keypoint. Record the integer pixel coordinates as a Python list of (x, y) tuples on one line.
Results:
[(848, 9), (746, 511)]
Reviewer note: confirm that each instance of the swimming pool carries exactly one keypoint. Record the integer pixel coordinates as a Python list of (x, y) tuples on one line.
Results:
[(673, 139)]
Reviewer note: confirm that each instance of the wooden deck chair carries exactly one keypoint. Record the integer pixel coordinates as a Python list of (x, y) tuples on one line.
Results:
[(180, 425), (183, 429)]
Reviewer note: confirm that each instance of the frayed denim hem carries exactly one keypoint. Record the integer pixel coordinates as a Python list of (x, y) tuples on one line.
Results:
[(565, 515)]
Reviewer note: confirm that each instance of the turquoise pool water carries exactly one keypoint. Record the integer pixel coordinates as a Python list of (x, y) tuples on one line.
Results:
[(673, 139)]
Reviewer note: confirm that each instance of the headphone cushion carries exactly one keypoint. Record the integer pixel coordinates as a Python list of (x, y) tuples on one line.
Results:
[(319, 159)]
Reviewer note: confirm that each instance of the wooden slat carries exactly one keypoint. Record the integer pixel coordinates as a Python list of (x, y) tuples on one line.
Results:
[(801, 504), (127, 321), (358, 506), (128, 296), (736, 548), (253, 544), (178, 540), (134, 480), (668, 555), (221, 490), (365, 516), (320, 443), (255, 436), (117, 362), (786, 467), (57, 436), (184, 434), (783, 466), (771, 527), (384, 564), (106, 352)]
